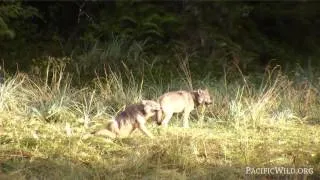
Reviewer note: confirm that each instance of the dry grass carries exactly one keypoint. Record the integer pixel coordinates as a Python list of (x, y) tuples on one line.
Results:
[(44, 125)]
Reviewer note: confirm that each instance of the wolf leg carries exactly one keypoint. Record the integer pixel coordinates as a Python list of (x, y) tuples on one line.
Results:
[(145, 131), (168, 116), (140, 123), (186, 115)]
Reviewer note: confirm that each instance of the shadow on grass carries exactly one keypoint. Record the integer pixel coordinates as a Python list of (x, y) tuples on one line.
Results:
[(149, 167), (176, 154)]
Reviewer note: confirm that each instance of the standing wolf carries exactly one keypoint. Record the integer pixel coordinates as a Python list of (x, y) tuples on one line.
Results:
[(181, 101), (134, 116)]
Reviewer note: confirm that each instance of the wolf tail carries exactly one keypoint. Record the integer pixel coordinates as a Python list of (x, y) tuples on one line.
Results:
[(111, 127)]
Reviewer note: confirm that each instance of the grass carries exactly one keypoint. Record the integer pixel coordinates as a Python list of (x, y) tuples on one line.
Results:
[(44, 125)]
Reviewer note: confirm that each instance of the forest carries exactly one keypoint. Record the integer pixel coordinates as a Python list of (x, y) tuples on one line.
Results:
[(68, 67)]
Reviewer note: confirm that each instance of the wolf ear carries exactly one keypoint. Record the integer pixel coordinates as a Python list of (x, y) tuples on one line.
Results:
[(200, 96), (199, 91), (144, 102)]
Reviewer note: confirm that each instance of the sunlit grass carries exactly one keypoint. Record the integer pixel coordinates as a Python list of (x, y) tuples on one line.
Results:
[(43, 150), (44, 127)]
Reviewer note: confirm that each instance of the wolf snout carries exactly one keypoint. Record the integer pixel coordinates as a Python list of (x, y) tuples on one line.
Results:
[(208, 103)]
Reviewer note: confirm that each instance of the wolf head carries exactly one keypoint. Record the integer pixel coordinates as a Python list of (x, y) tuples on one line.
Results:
[(203, 97), (150, 107)]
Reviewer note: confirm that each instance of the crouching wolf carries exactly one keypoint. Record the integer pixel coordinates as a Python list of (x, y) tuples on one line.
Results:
[(134, 116), (181, 101)]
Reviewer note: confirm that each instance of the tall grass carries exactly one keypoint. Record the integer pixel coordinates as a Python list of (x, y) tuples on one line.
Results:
[(44, 121)]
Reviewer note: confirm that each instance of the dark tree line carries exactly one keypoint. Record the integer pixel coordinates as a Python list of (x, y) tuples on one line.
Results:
[(247, 33)]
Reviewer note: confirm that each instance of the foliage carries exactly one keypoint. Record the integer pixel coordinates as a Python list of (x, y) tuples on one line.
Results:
[(84, 61), (249, 35), (16, 27), (45, 124), (14, 11)]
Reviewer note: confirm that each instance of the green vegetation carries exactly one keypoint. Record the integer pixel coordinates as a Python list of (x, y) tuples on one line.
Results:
[(69, 67), (216, 34), (45, 124)]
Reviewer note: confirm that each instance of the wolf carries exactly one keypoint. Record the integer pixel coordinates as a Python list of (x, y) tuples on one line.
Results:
[(181, 101), (132, 117)]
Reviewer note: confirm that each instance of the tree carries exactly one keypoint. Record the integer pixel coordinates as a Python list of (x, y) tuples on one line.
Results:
[(10, 11)]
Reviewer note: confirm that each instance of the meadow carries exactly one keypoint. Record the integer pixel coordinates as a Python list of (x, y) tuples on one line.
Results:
[(68, 67), (266, 121)]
